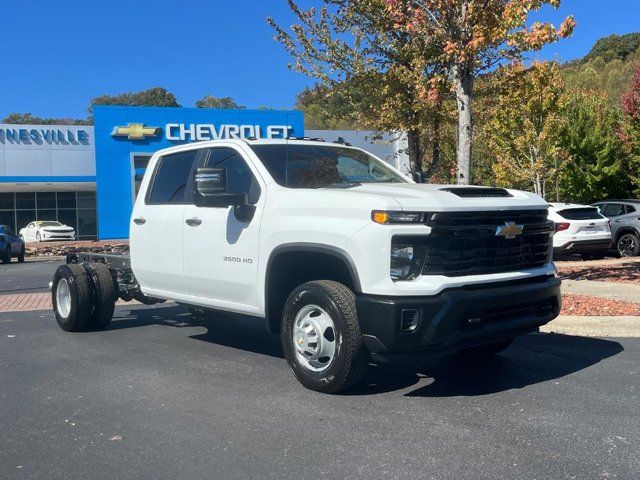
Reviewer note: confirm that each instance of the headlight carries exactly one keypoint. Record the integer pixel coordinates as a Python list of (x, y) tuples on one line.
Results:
[(407, 257), (391, 217)]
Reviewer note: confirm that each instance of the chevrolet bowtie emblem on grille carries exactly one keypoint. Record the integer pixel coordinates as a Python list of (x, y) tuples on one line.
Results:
[(509, 230), (135, 131)]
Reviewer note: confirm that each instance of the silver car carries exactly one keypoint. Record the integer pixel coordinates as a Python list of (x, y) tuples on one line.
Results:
[(625, 224)]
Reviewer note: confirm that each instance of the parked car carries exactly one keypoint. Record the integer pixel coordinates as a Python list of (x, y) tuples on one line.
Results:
[(344, 256), (625, 224), (580, 229), (43, 230), (10, 245)]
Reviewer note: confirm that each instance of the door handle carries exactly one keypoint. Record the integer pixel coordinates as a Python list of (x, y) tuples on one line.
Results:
[(140, 221), (193, 222)]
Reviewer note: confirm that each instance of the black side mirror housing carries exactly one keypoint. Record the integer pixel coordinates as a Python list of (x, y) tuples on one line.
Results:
[(210, 189), (420, 177)]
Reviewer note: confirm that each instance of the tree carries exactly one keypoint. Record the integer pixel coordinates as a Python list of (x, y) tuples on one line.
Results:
[(525, 131), (598, 166), (29, 119), (153, 97), (471, 37), (614, 47), (377, 72), (631, 133), (214, 102)]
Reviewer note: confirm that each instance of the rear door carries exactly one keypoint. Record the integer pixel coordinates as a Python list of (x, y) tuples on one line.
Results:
[(156, 225), (220, 251)]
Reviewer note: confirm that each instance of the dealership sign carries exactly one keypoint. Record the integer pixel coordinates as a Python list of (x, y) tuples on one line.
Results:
[(39, 135), (181, 132)]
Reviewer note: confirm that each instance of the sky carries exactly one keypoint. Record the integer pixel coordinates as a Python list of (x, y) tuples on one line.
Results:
[(57, 55)]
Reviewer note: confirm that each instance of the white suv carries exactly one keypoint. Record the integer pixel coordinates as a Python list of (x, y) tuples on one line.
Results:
[(346, 258), (580, 229)]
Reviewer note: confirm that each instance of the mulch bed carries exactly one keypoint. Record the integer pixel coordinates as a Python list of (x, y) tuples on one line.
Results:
[(584, 305), (50, 249), (621, 273)]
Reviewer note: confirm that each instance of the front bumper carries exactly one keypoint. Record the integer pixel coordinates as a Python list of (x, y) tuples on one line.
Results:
[(457, 318), (57, 236)]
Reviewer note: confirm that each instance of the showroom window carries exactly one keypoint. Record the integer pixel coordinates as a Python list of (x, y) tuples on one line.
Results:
[(76, 209)]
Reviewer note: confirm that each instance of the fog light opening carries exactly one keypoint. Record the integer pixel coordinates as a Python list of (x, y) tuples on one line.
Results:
[(409, 320)]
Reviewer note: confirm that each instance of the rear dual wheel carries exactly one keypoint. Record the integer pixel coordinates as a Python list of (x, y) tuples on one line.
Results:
[(83, 296)]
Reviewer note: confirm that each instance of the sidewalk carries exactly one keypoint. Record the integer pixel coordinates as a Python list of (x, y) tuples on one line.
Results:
[(29, 302), (625, 292), (594, 326)]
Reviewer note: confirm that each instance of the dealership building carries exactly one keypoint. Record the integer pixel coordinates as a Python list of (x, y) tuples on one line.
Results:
[(87, 177)]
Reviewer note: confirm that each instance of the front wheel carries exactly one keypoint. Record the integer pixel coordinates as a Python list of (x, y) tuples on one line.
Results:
[(21, 254), (321, 336), (628, 245)]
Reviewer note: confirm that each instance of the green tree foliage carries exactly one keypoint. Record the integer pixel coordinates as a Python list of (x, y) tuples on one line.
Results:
[(524, 133), (613, 47), (29, 119), (153, 97), (326, 108), (599, 167), (218, 102)]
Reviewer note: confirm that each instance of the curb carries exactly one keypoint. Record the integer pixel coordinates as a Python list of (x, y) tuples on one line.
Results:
[(583, 326)]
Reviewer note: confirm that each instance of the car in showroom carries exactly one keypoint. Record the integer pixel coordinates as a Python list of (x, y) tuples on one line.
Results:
[(44, 230), (625, 224), (10, 245), (579, 229)]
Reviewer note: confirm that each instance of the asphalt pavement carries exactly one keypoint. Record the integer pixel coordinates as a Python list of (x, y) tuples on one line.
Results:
[(163, 396), (32, 276)]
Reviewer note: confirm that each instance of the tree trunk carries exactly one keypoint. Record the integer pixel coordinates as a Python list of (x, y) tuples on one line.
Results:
[(463, 77), (414, 151)]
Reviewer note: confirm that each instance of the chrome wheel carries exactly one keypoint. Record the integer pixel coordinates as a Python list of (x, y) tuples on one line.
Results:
[(63, 298), (627, 246), (314, 338)]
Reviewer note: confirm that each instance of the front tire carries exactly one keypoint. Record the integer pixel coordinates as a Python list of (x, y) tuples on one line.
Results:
[(321, 336), (72, 298), (21, 255), (628, 245)]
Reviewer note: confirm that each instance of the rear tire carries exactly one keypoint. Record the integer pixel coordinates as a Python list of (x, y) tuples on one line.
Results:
[(628, 245), (72, 298), (321, 337), (486, 351), (105, 295), (21, 256)]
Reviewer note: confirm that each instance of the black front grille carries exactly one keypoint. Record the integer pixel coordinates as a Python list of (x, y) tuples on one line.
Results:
[(465, 243)]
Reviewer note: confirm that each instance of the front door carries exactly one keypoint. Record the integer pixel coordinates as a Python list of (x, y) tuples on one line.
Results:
[(156, 226), (220, 251)]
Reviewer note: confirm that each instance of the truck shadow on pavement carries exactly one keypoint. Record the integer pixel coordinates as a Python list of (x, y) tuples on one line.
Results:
[(532, 358)]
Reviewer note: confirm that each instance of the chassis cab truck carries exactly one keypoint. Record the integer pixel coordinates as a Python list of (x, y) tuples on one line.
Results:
[(347, 259)]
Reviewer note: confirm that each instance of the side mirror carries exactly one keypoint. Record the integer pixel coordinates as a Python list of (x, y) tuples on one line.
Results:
[(210, 190), (420, 177)]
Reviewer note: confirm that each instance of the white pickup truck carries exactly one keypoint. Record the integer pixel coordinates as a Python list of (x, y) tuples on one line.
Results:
[(350, 261)]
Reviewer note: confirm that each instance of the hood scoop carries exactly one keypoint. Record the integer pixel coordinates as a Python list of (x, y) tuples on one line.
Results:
[(477, 192)]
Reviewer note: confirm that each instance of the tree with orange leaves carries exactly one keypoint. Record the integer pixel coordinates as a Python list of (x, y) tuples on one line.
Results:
[(472, 37)]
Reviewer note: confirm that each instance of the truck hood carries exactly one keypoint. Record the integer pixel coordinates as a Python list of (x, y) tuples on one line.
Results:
[(426, 197)]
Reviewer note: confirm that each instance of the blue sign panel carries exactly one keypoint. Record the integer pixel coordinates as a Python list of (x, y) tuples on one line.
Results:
[(121, 132)]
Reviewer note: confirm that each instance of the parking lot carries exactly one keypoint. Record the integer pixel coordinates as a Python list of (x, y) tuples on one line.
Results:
[(163, 395)]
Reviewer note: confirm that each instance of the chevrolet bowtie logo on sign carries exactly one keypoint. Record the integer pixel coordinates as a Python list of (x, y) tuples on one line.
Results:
[(509, 230), (136, 131)]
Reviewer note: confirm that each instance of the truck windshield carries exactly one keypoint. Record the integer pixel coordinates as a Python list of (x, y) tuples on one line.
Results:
[(323, 166)]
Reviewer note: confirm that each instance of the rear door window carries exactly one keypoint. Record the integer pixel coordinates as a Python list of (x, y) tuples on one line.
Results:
[(169, 184), (613, 210), (629, 209), (590, 213)]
